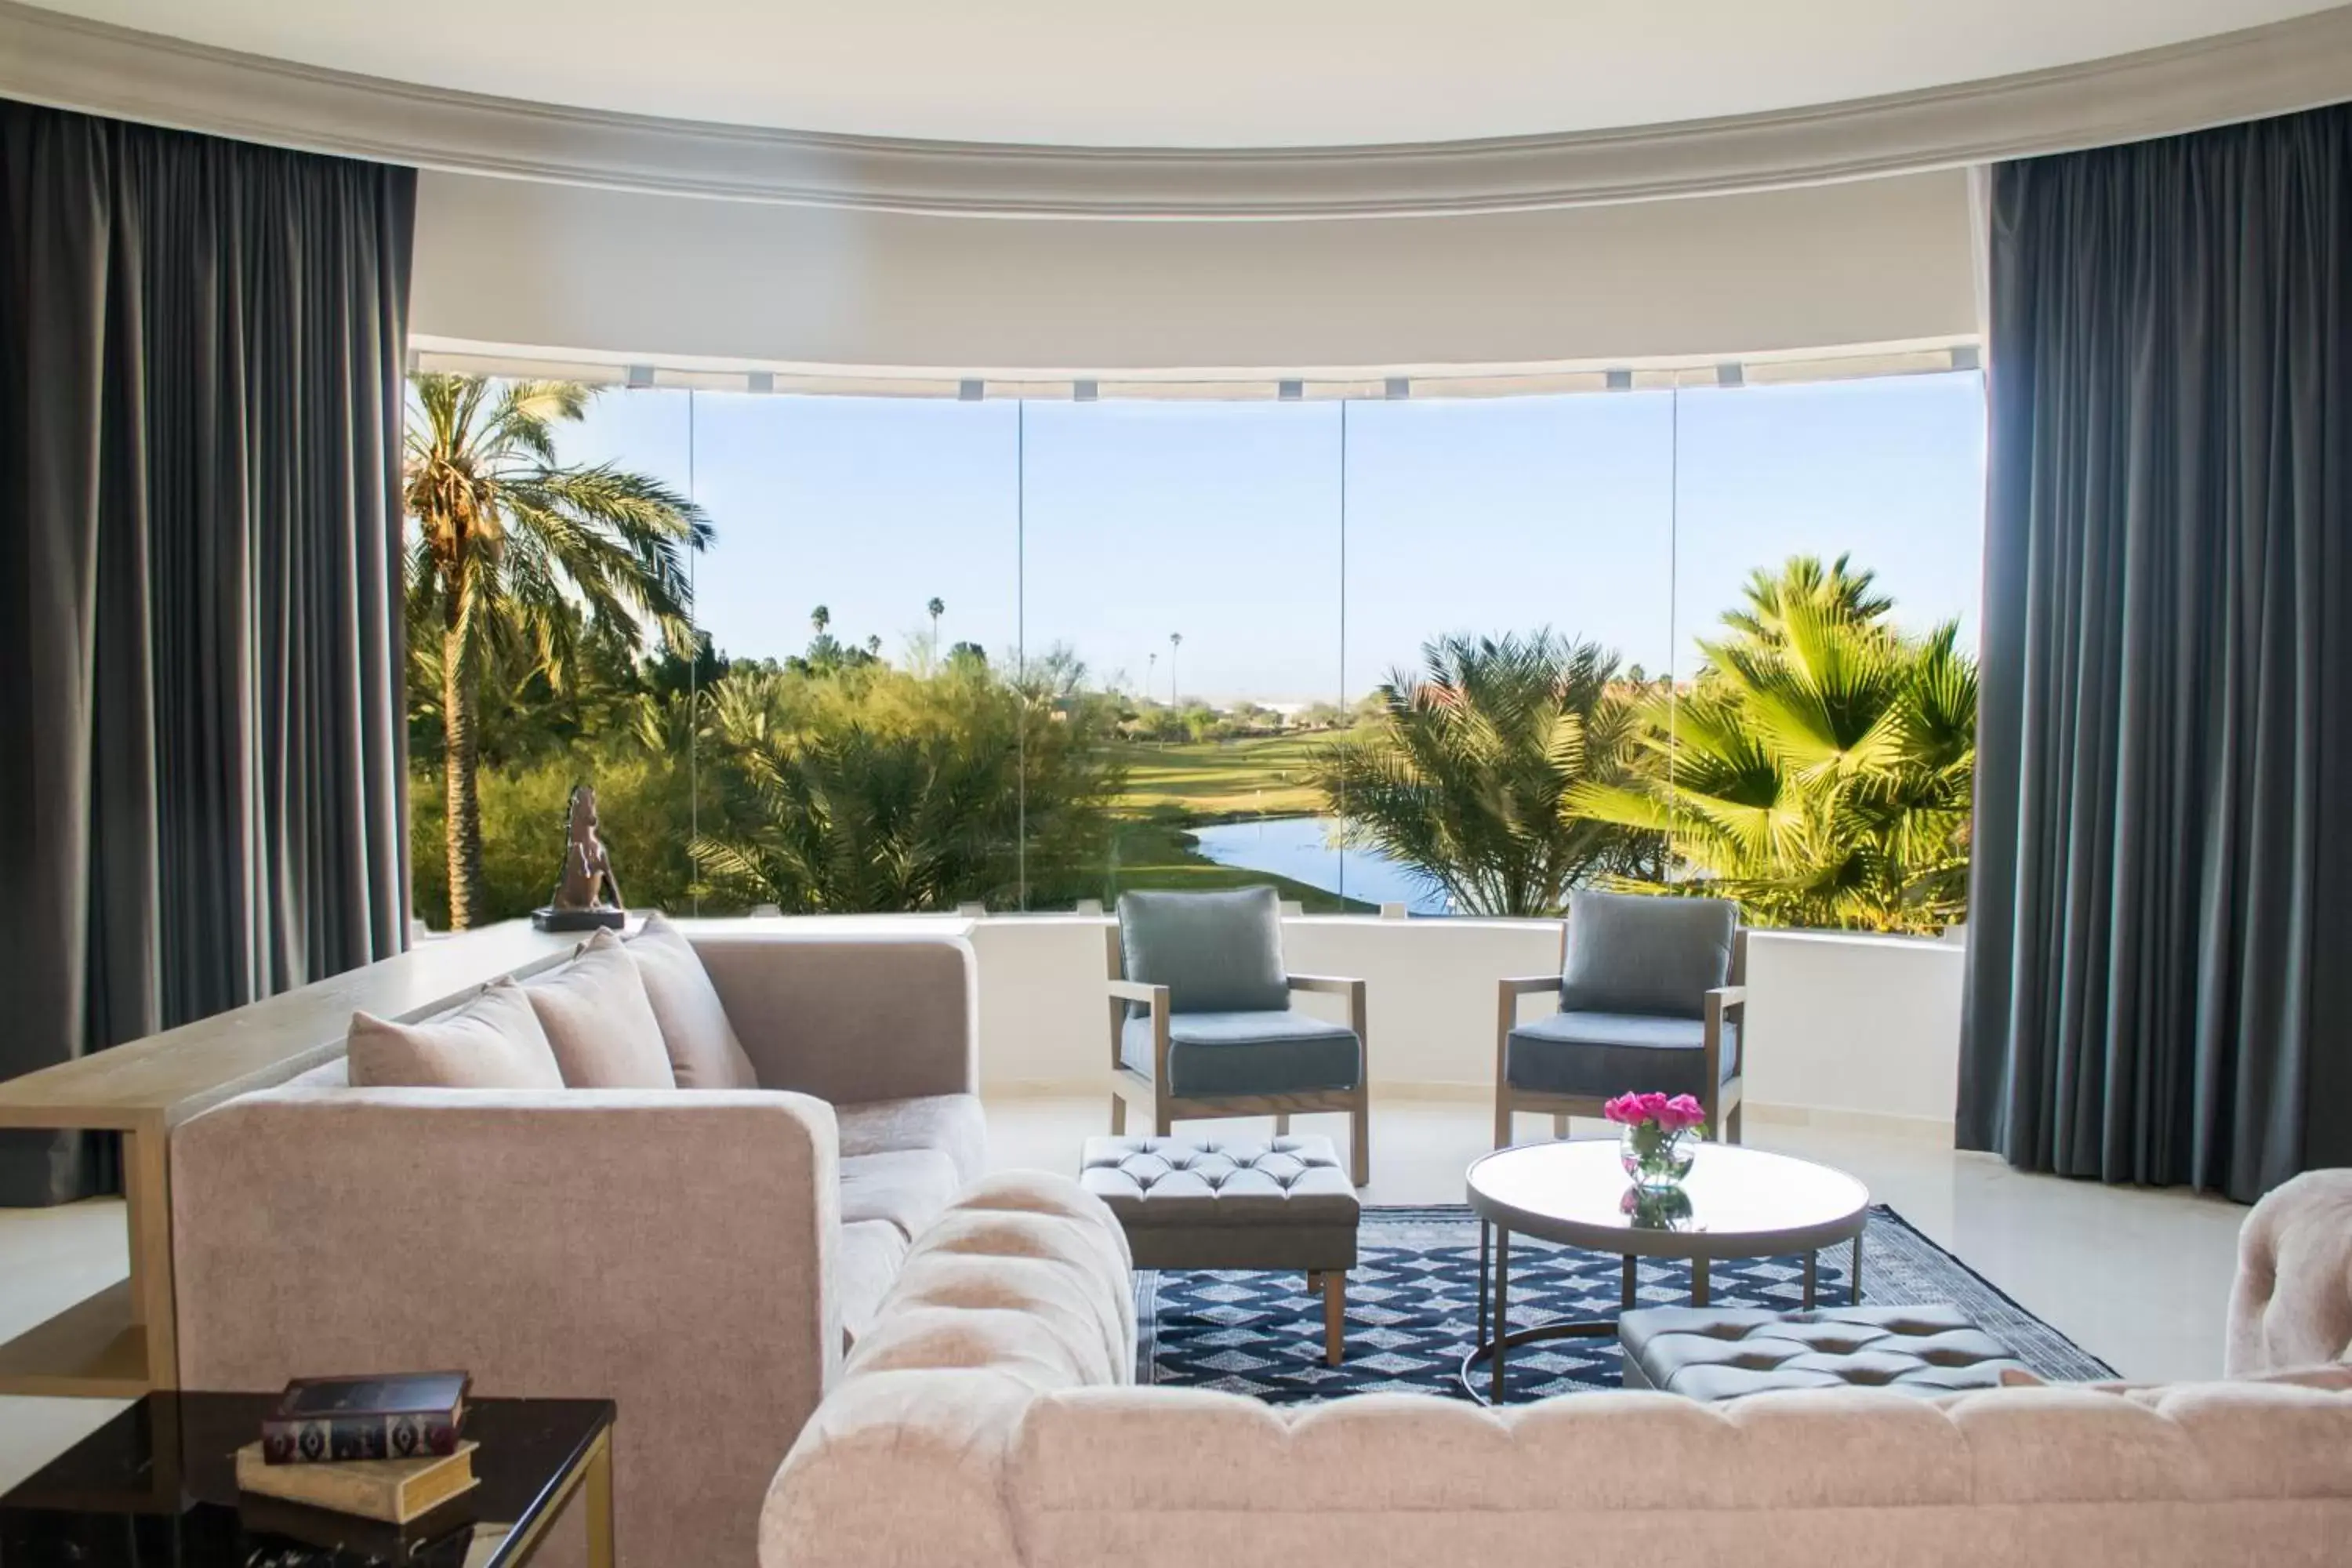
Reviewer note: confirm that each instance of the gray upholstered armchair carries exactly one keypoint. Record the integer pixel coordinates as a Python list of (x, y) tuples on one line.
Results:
[(1651, 995), (1202, 1023)]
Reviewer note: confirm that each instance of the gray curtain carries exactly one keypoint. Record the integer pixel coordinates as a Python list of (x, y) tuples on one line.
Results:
[(2159, 934), (201, 741)]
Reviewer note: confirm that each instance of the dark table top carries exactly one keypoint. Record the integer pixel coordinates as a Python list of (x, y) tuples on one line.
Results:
[(157, 1485)]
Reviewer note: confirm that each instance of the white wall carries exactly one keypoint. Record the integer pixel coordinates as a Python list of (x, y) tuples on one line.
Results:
[(1859, 1029), (519, 262), (1846, 1025)]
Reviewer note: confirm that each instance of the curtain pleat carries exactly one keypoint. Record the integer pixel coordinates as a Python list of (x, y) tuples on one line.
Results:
[(202, 759), (2158, 916)]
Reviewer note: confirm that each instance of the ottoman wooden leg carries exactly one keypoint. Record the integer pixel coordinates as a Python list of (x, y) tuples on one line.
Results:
[(1335, 1315)]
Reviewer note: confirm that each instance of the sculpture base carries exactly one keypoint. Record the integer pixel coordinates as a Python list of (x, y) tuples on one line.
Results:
[(578, 920)]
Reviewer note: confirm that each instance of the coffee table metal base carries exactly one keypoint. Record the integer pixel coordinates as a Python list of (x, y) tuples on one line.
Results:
[(1492, 1349)]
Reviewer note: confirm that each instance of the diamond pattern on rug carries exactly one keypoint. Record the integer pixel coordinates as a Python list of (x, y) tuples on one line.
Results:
[(1413, 1305)]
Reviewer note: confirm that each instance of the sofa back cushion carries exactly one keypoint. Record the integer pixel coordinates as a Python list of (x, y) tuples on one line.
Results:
[(704, 1052), (1217, 953), (494, 1041), (600, 1021), (1632, 953)]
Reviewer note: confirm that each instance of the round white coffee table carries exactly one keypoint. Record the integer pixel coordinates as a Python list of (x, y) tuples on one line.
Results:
[(1740, 1203)]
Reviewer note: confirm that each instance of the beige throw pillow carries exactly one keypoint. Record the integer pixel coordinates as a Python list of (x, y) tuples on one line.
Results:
[(599, 1022), (704, 1052), (493, 1042)]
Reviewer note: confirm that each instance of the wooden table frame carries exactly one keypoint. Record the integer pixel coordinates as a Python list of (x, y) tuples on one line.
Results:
[(122, 1342)]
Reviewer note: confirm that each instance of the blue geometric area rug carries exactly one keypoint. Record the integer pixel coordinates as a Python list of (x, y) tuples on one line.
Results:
[(1413, 1305)]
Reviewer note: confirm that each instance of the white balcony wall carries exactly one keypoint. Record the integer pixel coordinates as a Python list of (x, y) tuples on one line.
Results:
[(1857, 1030)]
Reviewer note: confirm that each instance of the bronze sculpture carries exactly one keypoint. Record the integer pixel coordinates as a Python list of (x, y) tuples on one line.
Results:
[(579, 903)]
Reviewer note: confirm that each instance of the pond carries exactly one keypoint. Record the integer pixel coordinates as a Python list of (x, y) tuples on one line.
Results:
[(1303, 849)]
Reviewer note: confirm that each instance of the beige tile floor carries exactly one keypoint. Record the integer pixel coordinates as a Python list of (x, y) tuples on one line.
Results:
[(2138, 1277)]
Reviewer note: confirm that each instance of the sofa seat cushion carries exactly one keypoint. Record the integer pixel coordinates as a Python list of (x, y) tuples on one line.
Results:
[(872, 1251), (1247, 1053), (1712, 1352), (1601, 1055), (907, 1187), (953, 1124)]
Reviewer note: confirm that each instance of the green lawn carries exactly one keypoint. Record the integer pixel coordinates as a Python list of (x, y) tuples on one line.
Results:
[(1171, 788), (1265, 776), (1155, 852)]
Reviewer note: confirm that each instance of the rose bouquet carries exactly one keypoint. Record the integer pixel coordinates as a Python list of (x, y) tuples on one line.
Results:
[(1658, 1137)]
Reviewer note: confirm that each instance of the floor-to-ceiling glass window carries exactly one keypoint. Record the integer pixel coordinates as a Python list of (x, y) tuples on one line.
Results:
[(1827, 568), (1181, 607), (1459, 654)]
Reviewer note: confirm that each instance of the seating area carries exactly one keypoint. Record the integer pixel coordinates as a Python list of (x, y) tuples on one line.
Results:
[(1397, 787)]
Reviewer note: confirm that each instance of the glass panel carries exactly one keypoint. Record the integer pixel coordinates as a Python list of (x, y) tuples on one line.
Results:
[(595, 713), (860, 745), (1511, 561), (1182, 583), (1828, 569)]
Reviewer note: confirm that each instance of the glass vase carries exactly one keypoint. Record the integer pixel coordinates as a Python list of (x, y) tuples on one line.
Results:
[(1655, 1159)]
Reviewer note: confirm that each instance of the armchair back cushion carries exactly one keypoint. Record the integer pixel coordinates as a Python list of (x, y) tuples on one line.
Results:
[(494, 1041), (1658, 957), (1217, 953)]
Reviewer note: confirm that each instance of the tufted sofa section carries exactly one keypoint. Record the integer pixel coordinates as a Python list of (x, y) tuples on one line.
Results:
[(2292, 1304), (987, 1421)]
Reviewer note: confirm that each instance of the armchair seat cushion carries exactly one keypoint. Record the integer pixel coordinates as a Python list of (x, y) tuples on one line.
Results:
[(1213, 1054), (1600, 1055)]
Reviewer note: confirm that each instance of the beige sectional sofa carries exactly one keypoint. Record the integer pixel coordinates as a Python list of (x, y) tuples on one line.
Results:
[(700, 1255), (983, 1421)]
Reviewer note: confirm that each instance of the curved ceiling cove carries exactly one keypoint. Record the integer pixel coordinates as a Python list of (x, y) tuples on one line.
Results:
[(1208, 73), (1760, 127)]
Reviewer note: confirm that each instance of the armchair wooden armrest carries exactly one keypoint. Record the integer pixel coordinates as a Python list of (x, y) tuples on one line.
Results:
[(1152, 996), (1340, 986), (1723, 1002), (1529, 984), (1155, 1002)]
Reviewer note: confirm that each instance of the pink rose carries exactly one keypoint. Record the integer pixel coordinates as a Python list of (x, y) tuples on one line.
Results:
[(1653, 1106), (1681, 1113), (1626, 1109)]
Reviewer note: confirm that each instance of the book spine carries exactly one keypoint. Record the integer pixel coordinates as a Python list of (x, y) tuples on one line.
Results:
[(328, 1439)]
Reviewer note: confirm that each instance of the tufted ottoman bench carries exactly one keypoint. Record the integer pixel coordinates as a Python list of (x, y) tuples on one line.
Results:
[(1708, 1352), (1214, 1202)]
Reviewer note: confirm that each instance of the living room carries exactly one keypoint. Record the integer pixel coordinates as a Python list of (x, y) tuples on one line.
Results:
[(1548, 727)]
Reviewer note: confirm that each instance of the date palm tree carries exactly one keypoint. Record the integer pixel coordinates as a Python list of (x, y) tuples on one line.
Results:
[(1465, 773), (515, 555)]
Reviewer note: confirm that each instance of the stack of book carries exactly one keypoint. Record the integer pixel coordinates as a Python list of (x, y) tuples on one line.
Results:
[(386, 1448)]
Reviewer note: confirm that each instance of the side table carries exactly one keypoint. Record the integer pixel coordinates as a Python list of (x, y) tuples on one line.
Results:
[(157, 1485)]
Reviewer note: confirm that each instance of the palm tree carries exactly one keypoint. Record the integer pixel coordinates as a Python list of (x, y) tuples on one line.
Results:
[(1819, 768), (820, 618), (514, 556), (937, 608), (1175, 641), (1466, 773)]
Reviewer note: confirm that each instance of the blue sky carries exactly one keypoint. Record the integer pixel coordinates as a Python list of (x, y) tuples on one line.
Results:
[(1627, 518)]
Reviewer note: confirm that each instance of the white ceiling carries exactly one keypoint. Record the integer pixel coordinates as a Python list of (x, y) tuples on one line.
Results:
[(1188, 73)]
